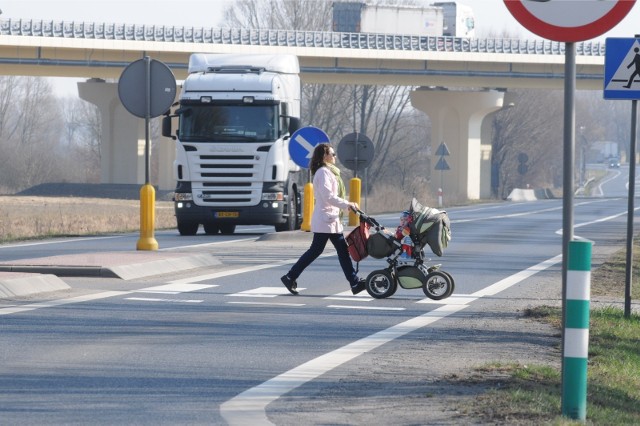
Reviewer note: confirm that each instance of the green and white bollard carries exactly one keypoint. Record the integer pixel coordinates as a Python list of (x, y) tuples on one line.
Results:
[(576, 331)]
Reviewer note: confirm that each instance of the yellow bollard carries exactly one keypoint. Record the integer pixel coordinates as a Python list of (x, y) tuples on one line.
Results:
[(354, 195), (307, 208), (147, 240)]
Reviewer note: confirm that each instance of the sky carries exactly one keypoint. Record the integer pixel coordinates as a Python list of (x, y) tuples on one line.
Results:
[(491, 16)]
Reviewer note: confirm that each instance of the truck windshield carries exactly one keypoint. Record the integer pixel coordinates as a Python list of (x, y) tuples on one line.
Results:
[(226, 123)]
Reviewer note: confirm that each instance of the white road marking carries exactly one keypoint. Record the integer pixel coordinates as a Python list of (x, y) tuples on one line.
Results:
[(266, 303), (249, 406), (238, 271), (41, 243), (175, 288), (454, 299), (374, 308), (262, 292), (151, 299), (60, 302), (350, 298)]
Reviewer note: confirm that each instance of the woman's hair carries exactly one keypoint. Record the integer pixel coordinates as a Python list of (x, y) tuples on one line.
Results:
[(317, 160)]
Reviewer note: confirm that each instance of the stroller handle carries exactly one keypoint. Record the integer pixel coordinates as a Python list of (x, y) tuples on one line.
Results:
[(366, 218)]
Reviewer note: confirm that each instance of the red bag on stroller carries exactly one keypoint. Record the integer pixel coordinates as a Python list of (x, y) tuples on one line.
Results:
[(357, 241)]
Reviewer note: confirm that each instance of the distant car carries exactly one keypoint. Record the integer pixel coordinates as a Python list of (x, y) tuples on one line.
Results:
[(614, 163)]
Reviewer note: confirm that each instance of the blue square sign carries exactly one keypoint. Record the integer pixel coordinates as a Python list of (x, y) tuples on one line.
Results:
[(622, 68)]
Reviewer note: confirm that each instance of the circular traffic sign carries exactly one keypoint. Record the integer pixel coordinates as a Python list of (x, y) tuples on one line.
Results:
[(302, 143), (132, 88), (569, 21), (355, 151)]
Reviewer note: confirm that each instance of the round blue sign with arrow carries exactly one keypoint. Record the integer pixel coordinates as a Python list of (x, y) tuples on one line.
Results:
[(303, 142)]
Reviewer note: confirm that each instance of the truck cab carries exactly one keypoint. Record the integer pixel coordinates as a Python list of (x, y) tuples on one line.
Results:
[(235, 116)]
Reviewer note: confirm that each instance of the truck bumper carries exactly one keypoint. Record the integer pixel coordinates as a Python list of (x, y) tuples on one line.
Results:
[(265, 213)]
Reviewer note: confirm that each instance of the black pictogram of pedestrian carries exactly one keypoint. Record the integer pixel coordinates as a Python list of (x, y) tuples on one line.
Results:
[(636, 62)]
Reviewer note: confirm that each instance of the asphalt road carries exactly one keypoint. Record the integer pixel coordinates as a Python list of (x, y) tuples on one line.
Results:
[(229, 344)]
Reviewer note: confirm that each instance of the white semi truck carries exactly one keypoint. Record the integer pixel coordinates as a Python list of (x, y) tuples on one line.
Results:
[(235, 116)]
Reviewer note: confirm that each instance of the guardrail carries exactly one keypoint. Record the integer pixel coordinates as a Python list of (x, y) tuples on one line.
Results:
[(262, 37)]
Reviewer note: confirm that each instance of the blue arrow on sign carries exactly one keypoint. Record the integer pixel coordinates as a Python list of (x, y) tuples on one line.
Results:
[(303, 142), (622, 68)]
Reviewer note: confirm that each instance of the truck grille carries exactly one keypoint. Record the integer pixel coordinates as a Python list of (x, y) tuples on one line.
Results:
[(227, 180)]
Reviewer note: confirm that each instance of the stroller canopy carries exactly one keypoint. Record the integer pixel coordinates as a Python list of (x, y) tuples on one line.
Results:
[(430, 227)]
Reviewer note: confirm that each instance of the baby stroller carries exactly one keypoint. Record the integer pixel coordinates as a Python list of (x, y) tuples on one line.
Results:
[(428, 227)]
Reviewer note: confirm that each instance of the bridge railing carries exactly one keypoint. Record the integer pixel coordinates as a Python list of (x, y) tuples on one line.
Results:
[(263, 37)]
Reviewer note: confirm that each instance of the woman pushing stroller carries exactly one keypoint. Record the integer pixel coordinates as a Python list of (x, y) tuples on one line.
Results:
[(326, 224)]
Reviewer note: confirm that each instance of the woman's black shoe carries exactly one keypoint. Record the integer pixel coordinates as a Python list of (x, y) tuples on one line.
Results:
[(359, 286), (290, 284)]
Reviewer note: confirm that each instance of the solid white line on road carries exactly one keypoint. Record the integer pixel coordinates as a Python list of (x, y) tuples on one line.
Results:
[(41, 243), (373, 308), (248, 408), (175, 288), (151, 299), (60, 302), (263, 292), (267, 303), (514, 279), (350, 298), (454, 299)]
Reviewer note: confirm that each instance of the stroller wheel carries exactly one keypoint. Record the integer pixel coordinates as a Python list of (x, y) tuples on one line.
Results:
[(381, 284), (453, 282), (437, 285)]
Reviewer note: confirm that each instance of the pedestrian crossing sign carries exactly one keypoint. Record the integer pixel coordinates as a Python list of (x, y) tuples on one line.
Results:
[(622, 68)]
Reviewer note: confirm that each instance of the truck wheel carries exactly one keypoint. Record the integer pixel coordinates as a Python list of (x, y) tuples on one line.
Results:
[(188, 228), (211, 228), (227, 228)]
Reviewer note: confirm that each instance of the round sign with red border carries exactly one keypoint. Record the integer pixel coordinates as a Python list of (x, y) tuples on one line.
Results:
[(569, 20)]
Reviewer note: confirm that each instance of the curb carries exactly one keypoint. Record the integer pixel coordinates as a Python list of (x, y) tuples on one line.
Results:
[(19, 284)]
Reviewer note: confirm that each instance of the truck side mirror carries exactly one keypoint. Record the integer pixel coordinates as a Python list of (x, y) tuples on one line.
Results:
[(166, 127), (294, 124)]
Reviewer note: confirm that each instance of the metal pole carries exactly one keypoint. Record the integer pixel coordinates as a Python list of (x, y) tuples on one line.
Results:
[(630, 210), (568, 178), (147, 119)]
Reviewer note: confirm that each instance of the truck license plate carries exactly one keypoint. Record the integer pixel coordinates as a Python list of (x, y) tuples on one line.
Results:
[(227, 214)]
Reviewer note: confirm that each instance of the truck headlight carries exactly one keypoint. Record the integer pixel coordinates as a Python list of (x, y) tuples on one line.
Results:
[(183, 196), (272, 196)]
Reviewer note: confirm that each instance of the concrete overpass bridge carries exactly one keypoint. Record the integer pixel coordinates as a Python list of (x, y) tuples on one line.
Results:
[(481, 70)]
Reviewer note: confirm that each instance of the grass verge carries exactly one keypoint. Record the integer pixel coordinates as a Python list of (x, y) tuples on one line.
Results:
[(23, 218), (532, 394)]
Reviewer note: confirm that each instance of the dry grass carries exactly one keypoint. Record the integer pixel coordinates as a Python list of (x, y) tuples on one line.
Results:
[(34, 217), (388, 199)]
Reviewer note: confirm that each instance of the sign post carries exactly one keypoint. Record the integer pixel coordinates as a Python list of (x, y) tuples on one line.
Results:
[(622, 81), (568, 22), (159, 91), (355, 151)]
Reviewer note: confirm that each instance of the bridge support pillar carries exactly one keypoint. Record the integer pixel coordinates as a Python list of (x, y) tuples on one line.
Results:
[(123, 139), (456, 119)]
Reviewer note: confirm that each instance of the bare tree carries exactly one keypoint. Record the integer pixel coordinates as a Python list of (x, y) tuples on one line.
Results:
[(82, 136), (382, 113), (531, 130)]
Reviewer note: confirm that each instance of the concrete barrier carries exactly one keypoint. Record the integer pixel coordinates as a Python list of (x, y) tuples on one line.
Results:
[(519, 194)]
